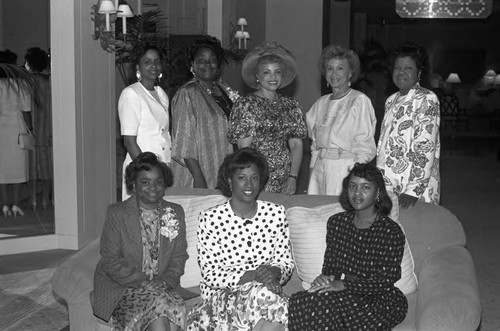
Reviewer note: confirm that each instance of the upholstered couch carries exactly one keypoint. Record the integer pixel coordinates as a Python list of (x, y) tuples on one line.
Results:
[(447, 296)]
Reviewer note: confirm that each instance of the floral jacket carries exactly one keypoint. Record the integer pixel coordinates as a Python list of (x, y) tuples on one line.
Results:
[(408, 148)]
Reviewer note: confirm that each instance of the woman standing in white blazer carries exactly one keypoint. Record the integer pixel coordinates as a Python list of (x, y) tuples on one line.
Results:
[(143, 110)]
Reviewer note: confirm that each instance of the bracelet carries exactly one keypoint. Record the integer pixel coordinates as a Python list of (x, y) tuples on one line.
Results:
[(293, 176)]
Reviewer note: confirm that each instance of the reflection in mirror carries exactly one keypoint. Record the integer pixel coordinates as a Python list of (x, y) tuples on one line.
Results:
[(26, 171)]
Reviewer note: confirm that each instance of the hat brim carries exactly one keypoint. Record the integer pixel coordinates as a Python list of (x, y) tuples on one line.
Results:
[(252, 58)]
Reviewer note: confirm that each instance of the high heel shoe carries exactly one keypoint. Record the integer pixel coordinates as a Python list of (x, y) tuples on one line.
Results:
[(16, 210), (6, 211)]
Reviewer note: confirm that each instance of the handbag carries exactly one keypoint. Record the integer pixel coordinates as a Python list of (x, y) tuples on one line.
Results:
[(26, 141)]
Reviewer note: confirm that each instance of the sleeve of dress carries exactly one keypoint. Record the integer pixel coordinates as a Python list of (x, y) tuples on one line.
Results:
[(242, 121), (178, 261), (115, 265), (297, 128), (423, 148), (282, 257), (329, 268), (311, 122), (184, 134), (388, 259), (129, 112), (214, 271), (363, 140)]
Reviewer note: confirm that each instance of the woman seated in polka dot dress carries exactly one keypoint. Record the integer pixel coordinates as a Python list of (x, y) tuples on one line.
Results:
[(362, 262), (243, 252)]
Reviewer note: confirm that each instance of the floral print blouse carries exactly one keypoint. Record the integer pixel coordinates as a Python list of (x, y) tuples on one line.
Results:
[(271, 123), (409, 146)]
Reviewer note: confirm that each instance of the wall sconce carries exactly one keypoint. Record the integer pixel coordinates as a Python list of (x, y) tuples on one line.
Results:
[(101, 16), (242, 34), (497, 80), (489, 76), (104, 13), (453, 78), (124, 11)]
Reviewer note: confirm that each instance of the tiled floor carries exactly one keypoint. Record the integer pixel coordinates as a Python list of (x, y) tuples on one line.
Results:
[(26, 299)]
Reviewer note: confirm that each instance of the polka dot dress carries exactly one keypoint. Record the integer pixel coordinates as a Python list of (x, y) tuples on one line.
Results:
[(370, 260), (228, 246)]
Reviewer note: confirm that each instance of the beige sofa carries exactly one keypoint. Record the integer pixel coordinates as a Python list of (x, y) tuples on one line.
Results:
[(447, 297)]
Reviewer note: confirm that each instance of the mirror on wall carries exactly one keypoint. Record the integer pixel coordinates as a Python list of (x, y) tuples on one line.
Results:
[(26, 172)]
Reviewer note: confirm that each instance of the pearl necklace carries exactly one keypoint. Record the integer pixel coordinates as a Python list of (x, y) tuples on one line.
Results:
[(340, 96)]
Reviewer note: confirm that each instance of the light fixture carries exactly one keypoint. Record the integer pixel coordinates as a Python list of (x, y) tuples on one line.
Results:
[(489, 76), (107, 7), (453, 78), (246, 36), (242, 22), (104, 13), (242, 34), (497, 80), (124, 11)]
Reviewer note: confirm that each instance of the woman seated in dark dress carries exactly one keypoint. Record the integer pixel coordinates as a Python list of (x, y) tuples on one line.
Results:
[(362, 262), (143, 252)]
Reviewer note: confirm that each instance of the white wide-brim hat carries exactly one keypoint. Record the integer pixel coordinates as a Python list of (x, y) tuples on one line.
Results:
[(252, 58)]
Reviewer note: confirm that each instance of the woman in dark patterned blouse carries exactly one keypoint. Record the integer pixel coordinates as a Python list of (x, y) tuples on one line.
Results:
[(362, 262), (267, 121)]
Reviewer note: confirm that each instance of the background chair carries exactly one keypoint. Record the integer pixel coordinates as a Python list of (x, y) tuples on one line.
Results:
[(451, 112)]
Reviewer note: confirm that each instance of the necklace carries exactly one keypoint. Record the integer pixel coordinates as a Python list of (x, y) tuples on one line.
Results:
[(154, 251), (340, 96)]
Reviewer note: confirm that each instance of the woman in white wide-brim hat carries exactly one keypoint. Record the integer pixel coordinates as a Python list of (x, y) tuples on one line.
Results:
[(270, 122)]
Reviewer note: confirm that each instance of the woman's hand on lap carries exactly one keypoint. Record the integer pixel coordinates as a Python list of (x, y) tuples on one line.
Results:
[(291, 186)]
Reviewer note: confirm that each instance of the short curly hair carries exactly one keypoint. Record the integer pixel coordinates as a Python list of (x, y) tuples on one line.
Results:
[(241, 159), (371, 173), (145, 162), (37, 58), (206, 42), (339, 52), (137, 53), (415, 52)]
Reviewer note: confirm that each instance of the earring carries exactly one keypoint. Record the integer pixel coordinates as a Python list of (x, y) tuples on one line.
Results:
[(160, 76), (138, 75), (349, 83), (192, 71), (257, 80), (327, 84), (377, 199)]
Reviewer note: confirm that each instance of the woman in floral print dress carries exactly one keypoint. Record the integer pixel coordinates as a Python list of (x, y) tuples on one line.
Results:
[(409, 147), (362, 262), (243, 252), (143, 252), (267, 121)]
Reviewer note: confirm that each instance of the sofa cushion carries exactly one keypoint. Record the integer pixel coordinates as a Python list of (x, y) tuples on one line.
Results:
[(308, 237), (193, 205)]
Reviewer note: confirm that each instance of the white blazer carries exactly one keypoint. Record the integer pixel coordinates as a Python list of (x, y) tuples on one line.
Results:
[(143, 116)]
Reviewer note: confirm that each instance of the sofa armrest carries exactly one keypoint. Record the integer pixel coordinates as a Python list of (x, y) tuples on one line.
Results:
[(448, 295), (73, 280)]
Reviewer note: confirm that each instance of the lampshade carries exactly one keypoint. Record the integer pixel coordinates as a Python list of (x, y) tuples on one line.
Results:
[(124, 11), (239, 35), (497, 80), (107, 7), (453, 78), (246, 35), (242, 21), (490, 73)]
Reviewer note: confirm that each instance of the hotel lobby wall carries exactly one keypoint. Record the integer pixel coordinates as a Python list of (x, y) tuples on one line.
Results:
[(24, 24)]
